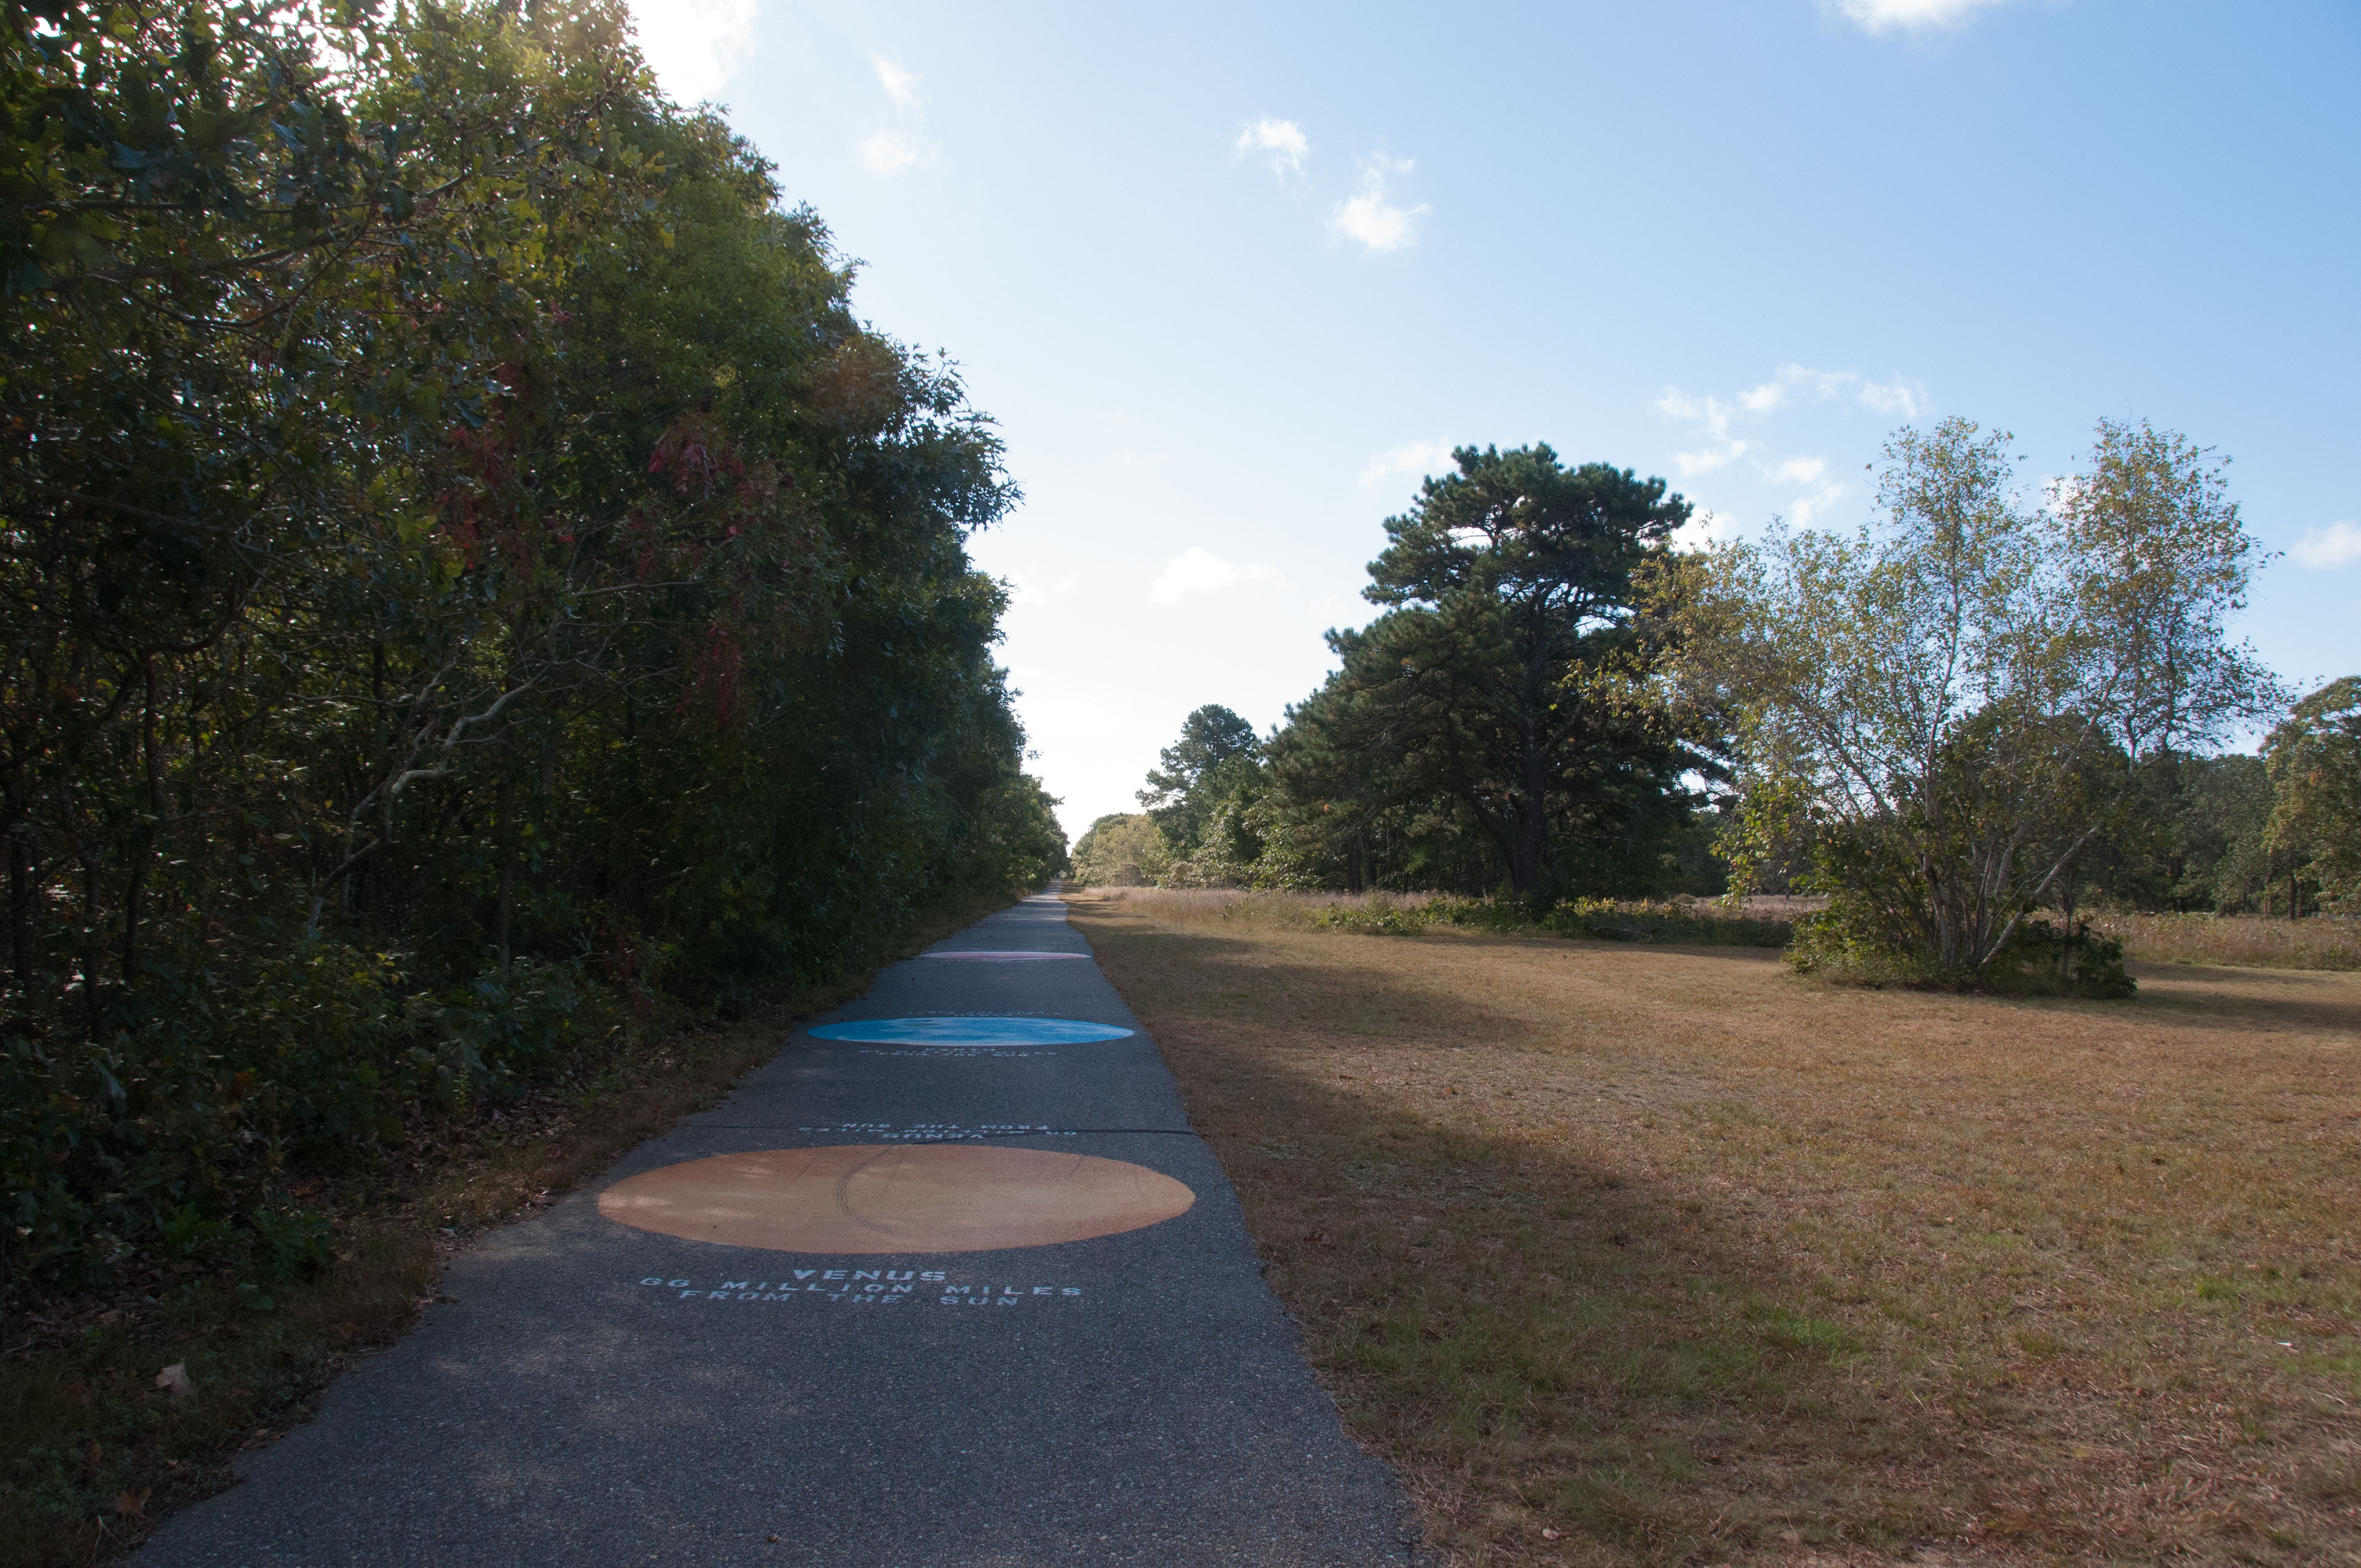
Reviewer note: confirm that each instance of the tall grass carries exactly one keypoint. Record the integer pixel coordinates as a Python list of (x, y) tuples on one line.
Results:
[(2242, 940), (2318, 942), (1684, 921), (1225, 905)]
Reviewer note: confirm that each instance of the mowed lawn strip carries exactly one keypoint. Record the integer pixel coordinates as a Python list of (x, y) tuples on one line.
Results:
[(1630, 1254)]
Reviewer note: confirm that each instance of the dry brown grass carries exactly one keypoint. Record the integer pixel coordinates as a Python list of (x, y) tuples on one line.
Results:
[(2251, 941), (2248, 940), (1198, 905), (1688, 1260)]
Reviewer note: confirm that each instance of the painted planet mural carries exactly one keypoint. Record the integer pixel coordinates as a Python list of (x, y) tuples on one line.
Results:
[(879, 1198), (982, 1031)]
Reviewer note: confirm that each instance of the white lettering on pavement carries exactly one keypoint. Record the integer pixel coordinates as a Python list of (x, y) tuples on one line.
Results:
[(953, 1051), (862, 1287), (938, 1132)]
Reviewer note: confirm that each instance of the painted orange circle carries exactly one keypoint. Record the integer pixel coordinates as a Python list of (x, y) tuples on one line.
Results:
[(873, 1198)]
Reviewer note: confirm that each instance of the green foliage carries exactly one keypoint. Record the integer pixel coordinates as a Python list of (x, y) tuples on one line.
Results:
[(1852, 944), (1943, 718), (1202, 827), (2052, 958), (1503, 720), (472, 588), (2191, 838), (1612, 920), (1214, 758), (1582, 919), (1381, 915), (1121, 849), (2314, 834)]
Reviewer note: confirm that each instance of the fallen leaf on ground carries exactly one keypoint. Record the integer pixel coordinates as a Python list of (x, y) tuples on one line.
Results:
[(175, 1377)]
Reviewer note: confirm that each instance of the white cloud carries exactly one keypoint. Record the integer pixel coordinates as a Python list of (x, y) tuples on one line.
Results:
[(903, 146), (1414, 460), (1283, 140), (694, 46), (900, 85), (1714, 416), (1368, 216), (1804, 508), (890, 152), (1901, 398), (1198, 570), (1805, 481), (1810, 474), (2326, 549), (1911, 16), (1705, 527), (1023, 589), (1898, 397)]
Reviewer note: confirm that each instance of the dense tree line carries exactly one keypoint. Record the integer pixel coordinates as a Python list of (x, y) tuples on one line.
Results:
[(1505, 723), (1977, 708), (469, 579)]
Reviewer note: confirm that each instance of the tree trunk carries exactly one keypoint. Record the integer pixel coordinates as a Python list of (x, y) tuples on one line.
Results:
[(2066, 948), (1525, 863), (1528, 856)]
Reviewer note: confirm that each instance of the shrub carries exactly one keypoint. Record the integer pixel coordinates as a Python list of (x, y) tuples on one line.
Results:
[(1582, 919), (172, 1139), (1381, 915), (1849, 944)]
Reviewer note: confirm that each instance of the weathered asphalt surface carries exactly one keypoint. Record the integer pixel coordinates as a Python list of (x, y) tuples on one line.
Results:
[(578, 1404)]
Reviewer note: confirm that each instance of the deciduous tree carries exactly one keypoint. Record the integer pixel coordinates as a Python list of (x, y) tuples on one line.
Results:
[(470, 580), (2314, 757), (1956, 704)]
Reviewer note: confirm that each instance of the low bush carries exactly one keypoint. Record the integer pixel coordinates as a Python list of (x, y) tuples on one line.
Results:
[(1584, 919), (174, 1140), (1683, 922), (1848, 945), (1382, 915), (2062, 959)]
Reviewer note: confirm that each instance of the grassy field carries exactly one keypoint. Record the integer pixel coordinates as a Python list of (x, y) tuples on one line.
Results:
[(2244, 940), (1630, 1254)]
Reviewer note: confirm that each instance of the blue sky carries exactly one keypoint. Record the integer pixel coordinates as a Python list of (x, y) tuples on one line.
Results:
[(1231, 278)]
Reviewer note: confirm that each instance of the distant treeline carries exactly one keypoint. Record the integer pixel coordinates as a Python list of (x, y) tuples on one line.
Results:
[(2196, 844), (471, 583), (1976, 709), (1482, 732)]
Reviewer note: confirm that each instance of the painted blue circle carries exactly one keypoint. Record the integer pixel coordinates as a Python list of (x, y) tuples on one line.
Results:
[(970, 1032)]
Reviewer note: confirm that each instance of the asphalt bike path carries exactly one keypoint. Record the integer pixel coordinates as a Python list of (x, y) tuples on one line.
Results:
[(949, 1283)]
